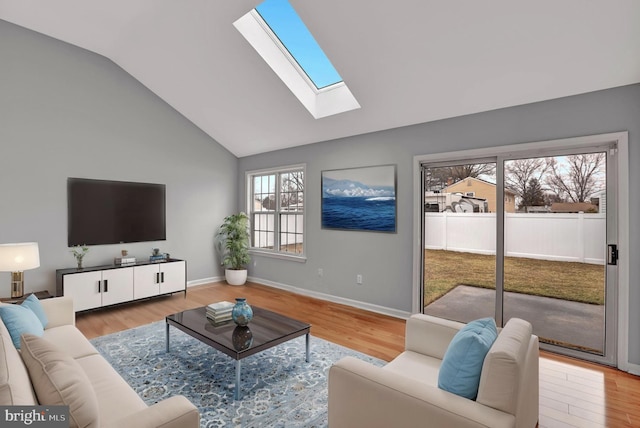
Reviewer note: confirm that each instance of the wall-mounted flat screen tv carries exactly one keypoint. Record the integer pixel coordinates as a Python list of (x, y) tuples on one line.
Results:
[(113, 212)]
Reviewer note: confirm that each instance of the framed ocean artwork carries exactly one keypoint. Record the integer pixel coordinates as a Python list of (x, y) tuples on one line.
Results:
[(361, 199)]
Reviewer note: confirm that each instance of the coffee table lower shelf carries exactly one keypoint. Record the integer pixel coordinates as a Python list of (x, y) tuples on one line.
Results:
[(267, 329)]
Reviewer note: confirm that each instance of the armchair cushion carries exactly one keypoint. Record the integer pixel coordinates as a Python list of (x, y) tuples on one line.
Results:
[(462, 363)]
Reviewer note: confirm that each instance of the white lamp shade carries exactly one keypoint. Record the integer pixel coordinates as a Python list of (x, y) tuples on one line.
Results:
[(19, 257)]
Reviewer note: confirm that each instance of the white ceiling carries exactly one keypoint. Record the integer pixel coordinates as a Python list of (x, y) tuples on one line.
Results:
[(406, 62)]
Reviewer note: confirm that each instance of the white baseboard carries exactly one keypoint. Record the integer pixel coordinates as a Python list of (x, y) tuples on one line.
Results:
[(634, 369), (335, 299), (202, 281)]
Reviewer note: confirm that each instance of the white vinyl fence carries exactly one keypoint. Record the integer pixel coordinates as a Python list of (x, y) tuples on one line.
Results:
[(291, 229), (562, 237)]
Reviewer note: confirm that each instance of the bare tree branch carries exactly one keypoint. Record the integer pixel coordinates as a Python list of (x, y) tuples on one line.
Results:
[(518, 174), (582, 177)]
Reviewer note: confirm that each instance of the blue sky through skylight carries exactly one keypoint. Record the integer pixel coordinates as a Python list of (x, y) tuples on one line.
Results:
[(296, 37)]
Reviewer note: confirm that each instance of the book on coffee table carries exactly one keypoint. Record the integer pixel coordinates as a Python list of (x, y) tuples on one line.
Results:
[(219, 312), (220, 306)]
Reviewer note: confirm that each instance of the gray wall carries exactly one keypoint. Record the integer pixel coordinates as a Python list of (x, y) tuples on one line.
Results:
[(66, 112), (385, 261)]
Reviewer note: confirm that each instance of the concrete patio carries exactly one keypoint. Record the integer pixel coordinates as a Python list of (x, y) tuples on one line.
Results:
[(578, 324)]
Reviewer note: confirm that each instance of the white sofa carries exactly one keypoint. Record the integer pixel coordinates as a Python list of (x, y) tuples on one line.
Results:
[(405, 392), (117, 404)]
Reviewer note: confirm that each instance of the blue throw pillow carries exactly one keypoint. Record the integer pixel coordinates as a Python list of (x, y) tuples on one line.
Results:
[(462, 362), (19, 319), (34, 304)]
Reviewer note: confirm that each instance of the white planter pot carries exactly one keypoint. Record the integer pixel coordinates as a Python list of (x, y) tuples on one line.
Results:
[(235, 277)]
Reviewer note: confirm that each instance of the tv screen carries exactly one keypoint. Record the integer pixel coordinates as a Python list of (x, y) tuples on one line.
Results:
[(113, 212)]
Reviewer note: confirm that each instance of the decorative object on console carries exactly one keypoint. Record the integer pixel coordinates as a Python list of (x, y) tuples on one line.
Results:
[(242, 312), (79, 251), (157, 256), (16, 258), (242, 338), (124, 261), (232, 245)]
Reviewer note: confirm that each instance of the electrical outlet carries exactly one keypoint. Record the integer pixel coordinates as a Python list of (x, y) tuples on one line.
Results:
[(358, 279), (320, 272)]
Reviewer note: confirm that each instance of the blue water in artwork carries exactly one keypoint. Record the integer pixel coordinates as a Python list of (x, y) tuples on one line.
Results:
[(360, 213)]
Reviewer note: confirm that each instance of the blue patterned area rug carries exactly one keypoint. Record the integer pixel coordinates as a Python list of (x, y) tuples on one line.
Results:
[(279, 389)]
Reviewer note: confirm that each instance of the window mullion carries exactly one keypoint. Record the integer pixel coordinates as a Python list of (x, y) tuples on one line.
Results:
[(277, 219)]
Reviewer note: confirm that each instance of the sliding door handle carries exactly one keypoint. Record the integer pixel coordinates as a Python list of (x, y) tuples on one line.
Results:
[(612, 254)]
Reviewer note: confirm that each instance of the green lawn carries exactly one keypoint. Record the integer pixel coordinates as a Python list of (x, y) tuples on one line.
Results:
[(580, 282)]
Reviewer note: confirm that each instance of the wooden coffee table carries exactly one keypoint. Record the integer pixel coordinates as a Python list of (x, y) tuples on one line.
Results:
[(267, 330)]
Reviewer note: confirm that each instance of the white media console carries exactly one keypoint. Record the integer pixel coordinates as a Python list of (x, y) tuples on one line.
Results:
[(100, 286)]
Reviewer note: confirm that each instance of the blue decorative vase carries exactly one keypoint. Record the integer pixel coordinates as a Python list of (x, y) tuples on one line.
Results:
[(241, 312)]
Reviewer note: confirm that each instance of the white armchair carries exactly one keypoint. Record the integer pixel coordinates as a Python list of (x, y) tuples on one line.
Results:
[(405, 392)]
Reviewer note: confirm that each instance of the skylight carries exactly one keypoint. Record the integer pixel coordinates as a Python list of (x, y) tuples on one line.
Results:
[(279, 35), (287, 25)]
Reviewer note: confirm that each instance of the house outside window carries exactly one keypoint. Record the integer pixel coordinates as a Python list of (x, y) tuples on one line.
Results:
[(276, 210)]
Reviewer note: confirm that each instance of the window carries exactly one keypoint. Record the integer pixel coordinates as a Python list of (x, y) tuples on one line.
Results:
[(296, 38), (276, 31), (276, 207)]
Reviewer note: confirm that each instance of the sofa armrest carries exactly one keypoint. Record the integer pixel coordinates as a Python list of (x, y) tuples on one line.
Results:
[(429, 335), (59, 311), (364, 395), (174, 412)]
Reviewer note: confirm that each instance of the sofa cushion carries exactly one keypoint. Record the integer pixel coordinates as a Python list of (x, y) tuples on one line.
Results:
[(34, 304), (462, 363), (503, 365), (60, 381), (15, 385), (117, 399), (69, 338), (20, 319)]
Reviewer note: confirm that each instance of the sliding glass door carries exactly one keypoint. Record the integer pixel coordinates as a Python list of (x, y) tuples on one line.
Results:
[(526, 235), (459, 252)]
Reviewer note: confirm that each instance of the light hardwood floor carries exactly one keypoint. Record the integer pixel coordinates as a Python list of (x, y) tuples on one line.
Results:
[(572, 393)]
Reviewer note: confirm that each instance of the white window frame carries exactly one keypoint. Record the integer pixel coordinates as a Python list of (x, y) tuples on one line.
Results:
[(275, 252)]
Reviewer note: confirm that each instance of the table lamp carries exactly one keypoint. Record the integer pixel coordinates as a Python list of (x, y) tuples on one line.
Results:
[(16, 258)]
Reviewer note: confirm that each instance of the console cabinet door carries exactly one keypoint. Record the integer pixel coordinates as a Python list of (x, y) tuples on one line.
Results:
[(172, 277), (146, 281), (85, 289), (117, 286)]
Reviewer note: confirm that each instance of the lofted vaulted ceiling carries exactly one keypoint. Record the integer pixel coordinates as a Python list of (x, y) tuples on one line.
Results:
[(406, 61)]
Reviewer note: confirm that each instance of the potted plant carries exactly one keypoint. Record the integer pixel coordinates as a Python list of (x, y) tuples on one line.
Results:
[(79, 251), (233, 246)]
